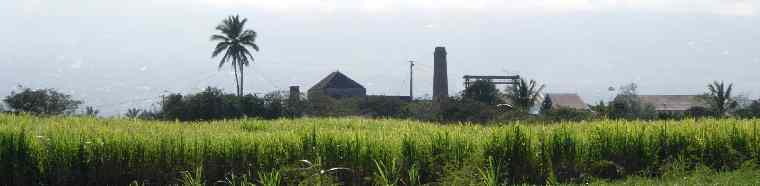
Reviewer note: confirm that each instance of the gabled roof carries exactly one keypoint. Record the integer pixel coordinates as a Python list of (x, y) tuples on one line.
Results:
[(672, 102), (336, 80), (566, 100)]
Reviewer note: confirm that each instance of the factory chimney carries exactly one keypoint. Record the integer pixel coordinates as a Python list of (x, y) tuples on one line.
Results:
[(440, 79), (295, 94)]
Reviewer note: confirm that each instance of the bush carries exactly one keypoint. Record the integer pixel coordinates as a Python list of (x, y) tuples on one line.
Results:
[(209, 104), (420, 110), (628, 105), (483, 91), (213, 104), (566, 114), (274, 105), (42, 102), (295, 107), (699, 112), (90, 111), (132, 113), (605, 169), (380, 106), (751, 111), (321, 105), (252, 106), (514, 115), (467, 110)]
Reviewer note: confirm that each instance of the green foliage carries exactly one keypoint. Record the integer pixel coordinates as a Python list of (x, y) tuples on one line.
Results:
[(322, 105), (719, 98), (699, 112), (746, 175), (524, 94), (270, 179), (627, 105), (488, 175), (467, 110), (383, 107), (482, 91), (91, 111), (132, 113), (601, 109), (85, 151), (238, 180), (413, 178), (41, 102), (516, 115), (566, 114), (294, 106), (213, 104), (605, 169), (234, 41), (387, 174), (194, 178), (136, 183), (275, 105), (751, 111), (420, 110)]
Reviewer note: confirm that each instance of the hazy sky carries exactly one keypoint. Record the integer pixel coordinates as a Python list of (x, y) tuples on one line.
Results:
[(116, 55)]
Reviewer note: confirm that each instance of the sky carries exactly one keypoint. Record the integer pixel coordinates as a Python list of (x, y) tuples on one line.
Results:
[(116, 55)]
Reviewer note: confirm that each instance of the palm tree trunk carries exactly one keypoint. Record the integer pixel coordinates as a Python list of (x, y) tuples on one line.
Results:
[(241, 79), (237, 84)]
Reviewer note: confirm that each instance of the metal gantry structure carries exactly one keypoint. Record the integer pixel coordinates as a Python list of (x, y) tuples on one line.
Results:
[(496, 80)]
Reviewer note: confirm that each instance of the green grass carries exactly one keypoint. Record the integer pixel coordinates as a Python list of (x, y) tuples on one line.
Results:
[(79, 151), (749, 175)]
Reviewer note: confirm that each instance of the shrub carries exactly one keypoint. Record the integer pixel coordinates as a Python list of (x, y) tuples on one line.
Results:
[(214, 104), (420, 110), (467, 110), (751, 111), (90, 111), (566, 114), (380, 106), (699, 112), (628, 105), (274, 105), (42, 102), (132, 113), (321, 105), (483, 91), (605, 169)]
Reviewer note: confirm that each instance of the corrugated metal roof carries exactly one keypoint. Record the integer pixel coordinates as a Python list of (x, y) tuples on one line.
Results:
[(566, 100), (672, 102)]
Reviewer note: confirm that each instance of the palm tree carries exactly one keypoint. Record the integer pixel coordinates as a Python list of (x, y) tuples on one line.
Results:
[(719, 97), (524, 94), (233, 41)]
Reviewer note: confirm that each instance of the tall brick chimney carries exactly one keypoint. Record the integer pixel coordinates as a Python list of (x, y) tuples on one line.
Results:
[(440, 79)]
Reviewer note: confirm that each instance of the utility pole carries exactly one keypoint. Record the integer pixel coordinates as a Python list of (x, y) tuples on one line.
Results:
[(411, 78)]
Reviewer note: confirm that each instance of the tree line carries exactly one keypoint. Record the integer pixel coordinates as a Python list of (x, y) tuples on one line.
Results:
[(481, 102)]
